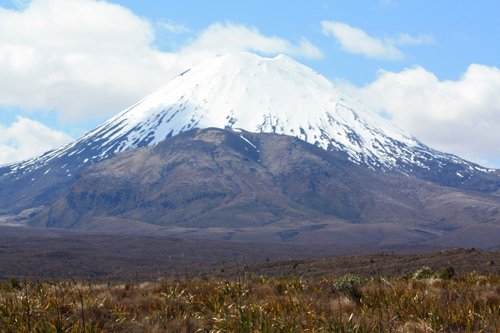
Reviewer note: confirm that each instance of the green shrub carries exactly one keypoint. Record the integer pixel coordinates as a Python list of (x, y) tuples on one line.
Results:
[(14, 283), (447, 273), (349, 286), (424, 273)]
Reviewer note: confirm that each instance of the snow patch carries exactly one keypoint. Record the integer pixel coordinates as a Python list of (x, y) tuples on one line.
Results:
[(248, 141)]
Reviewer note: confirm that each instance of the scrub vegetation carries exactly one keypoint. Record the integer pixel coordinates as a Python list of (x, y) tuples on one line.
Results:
[(425, 301)]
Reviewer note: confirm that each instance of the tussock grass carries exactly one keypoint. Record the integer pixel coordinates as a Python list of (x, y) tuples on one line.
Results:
[(464, 303)]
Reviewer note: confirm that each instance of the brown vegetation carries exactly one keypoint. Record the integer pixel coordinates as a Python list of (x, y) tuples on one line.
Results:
[(155, 284), (253, 303)]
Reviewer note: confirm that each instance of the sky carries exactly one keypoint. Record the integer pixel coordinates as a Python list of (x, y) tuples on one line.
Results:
[(432, 67)]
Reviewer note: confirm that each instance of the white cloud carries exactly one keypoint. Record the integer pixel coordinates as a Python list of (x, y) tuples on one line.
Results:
[(230, 37), (460, 117), (81, 57), (26, 138), (357, 41), (90, 58)]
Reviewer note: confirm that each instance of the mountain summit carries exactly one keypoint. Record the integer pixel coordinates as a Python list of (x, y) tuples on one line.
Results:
[(255, 94), (245, 91)]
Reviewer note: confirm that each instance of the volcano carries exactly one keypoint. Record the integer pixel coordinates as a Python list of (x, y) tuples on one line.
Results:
[(247, 94)]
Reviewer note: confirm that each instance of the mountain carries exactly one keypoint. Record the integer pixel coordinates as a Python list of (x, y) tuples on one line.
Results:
[(236, 185), (258, 95)]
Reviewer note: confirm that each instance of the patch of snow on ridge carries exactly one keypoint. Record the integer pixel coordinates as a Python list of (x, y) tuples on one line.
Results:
[(251, 144)]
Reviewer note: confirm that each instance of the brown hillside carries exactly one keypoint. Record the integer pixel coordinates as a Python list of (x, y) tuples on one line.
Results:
[(214, 183)]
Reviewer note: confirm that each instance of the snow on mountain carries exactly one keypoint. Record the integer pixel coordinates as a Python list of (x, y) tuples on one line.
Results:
[(259, 95), (245, 91)]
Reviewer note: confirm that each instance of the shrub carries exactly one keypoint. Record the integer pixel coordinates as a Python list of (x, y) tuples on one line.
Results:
[(447, 273), (14, 283), (349, 286), (424, 273)]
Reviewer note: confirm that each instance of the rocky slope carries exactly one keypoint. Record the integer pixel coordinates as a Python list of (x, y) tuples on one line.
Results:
[(236, 185)]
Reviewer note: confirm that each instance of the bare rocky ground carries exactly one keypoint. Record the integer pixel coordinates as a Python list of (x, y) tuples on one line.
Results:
[(50, 254)]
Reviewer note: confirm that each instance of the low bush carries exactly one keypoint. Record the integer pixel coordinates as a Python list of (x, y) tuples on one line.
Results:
[(349, 286), (425, 273), (447, 273)]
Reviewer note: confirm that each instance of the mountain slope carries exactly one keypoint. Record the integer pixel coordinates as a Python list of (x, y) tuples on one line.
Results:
[(237, 185), (254, 94)]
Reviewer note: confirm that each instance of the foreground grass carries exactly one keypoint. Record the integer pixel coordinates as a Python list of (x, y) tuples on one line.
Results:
[(469, 302)]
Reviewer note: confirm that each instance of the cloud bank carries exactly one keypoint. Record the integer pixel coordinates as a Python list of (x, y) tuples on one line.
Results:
[(229, 37), (460, 117), (26, 138), (90, 58)]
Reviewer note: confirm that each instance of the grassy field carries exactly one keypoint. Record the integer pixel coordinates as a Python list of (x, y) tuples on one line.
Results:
[(425, 301), (121, 283)]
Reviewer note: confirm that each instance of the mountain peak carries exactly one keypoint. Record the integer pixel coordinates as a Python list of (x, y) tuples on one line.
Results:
[(259, 95), (279, 95)]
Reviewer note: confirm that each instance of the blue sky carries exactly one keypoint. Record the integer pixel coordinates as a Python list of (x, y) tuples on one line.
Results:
[(430, 66)]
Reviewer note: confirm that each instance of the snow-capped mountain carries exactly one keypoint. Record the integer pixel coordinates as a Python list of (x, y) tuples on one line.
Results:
[(245, 91)]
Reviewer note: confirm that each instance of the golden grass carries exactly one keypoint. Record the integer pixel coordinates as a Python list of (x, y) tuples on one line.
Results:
[(467, 303)]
